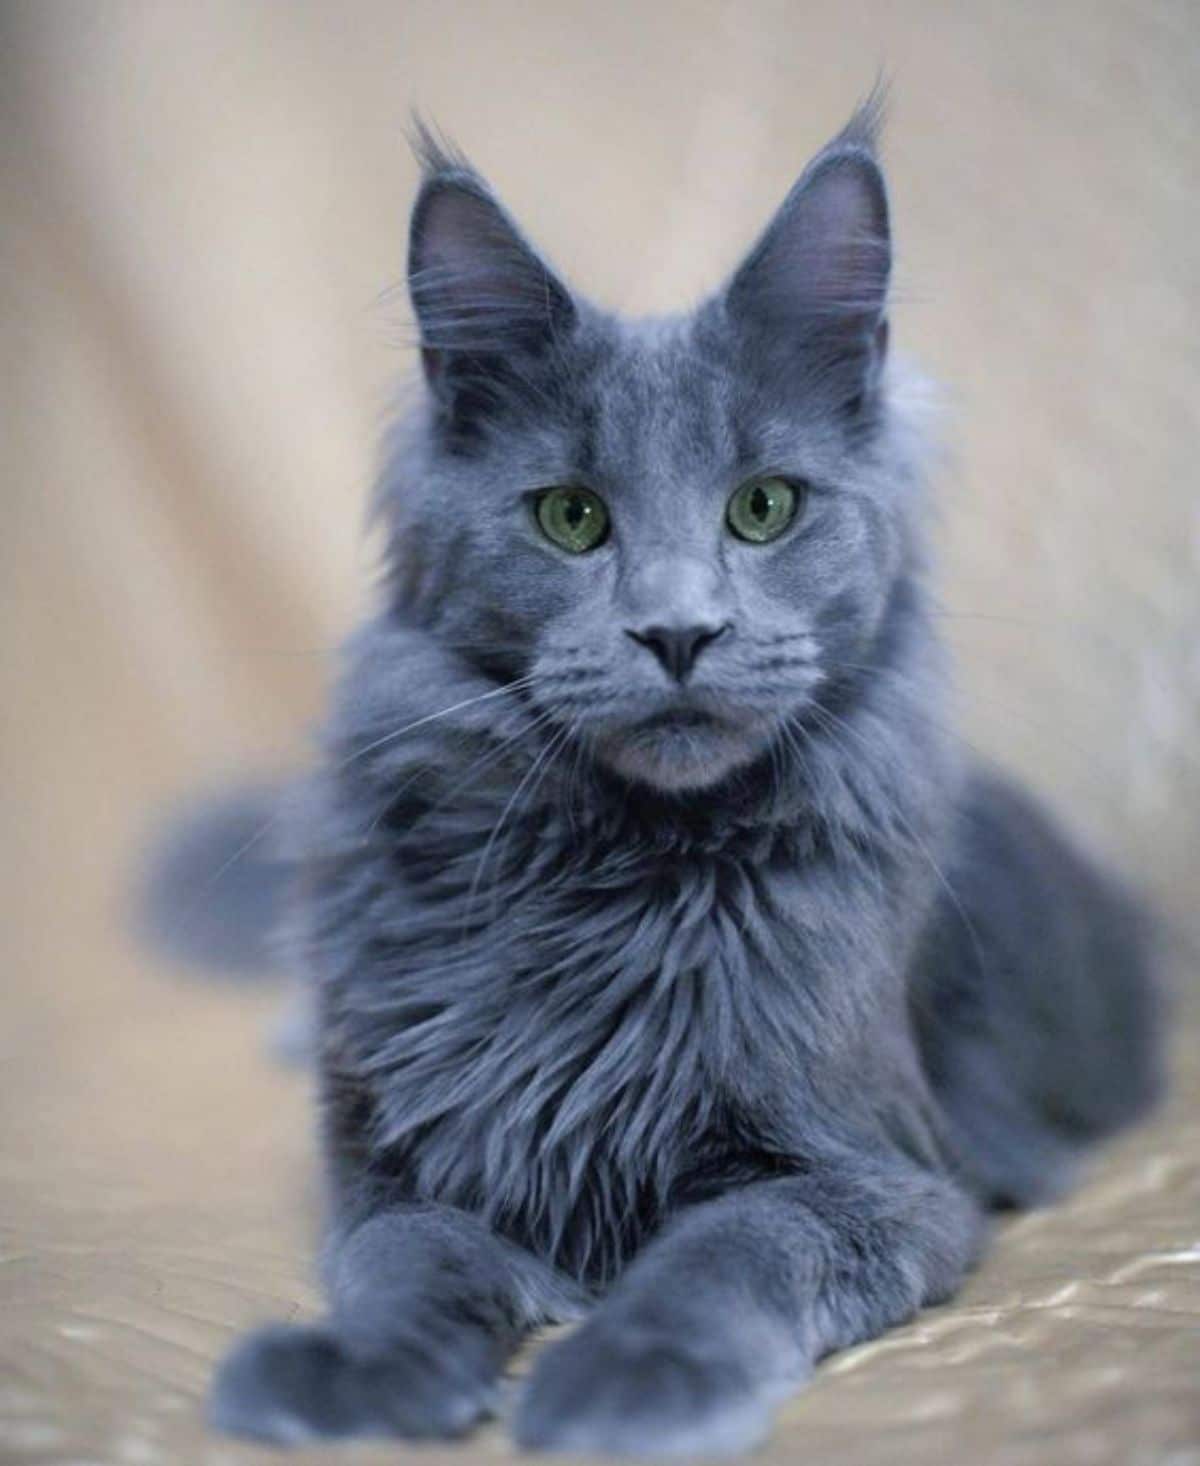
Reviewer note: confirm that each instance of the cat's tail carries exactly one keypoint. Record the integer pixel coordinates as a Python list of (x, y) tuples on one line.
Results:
[(212, 884)]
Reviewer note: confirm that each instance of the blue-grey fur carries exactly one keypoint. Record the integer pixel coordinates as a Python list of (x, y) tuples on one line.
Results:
[(209, 881), (718, 1009)]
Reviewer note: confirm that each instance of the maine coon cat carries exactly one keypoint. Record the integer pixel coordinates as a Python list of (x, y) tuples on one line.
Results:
[(677, 972)]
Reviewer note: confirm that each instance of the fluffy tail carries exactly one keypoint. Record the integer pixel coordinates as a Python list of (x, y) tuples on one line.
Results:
[(213, 884)]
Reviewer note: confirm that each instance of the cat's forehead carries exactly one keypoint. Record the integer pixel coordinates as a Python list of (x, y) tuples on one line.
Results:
[(658, 400)]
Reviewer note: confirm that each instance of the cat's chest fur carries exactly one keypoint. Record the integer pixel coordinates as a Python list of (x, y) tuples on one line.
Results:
[(568, 1038)]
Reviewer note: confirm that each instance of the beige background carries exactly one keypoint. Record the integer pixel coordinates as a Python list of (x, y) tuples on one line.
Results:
[(203, 209)]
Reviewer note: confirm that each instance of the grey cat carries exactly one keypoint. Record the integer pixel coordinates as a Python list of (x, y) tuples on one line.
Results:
[(676, 969)]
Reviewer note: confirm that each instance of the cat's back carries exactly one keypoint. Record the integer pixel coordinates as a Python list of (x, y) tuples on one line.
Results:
[(1035, 994)]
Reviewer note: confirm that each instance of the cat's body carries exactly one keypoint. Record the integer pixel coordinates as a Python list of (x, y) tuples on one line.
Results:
[(668, 952)]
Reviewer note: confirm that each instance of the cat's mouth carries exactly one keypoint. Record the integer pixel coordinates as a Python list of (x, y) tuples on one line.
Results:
[(668, 720), (680, 746)]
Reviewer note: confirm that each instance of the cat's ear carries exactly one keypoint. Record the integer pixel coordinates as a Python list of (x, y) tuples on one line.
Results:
[(481, 293), (815, 285)]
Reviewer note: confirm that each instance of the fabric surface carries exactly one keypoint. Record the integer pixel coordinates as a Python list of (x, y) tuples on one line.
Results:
[(202, 215)]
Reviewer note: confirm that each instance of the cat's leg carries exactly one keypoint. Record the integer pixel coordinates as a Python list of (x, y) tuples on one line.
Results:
[(425, 1306), (727, 1311)]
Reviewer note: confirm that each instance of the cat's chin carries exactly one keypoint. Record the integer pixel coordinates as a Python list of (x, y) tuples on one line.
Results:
[(679, 756)]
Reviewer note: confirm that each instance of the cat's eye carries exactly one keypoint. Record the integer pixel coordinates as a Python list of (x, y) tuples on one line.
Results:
[(763, 508), (574, 519)]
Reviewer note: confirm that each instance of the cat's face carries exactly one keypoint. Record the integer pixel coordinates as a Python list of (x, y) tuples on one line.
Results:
[(672, 529)]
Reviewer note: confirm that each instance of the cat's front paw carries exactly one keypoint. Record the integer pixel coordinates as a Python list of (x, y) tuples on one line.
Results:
[(607, 1392), (290, 1385)]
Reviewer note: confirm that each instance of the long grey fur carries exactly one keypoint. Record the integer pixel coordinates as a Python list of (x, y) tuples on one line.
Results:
[(715, 1010)]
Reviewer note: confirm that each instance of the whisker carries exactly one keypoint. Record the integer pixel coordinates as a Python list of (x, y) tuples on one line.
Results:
[(275, 820), (937, 870), (917, 692), (491, 757), (491, 840), (457, 707), (557, 746)]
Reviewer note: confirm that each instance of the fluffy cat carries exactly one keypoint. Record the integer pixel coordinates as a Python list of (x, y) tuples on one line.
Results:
[(676, 971)]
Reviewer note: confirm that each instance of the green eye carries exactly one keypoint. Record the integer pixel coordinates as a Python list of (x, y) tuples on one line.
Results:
[(762, 509), (573, 519)]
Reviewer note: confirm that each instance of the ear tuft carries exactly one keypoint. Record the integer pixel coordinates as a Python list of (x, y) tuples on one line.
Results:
[(865, 126), (434, 151)]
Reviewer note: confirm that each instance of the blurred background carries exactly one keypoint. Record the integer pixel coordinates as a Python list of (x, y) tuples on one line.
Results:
[(202, 227)]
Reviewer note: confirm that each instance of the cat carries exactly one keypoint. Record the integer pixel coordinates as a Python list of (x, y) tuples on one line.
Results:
[(677, 971)]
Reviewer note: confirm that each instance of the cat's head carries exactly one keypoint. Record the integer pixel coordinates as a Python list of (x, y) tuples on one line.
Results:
[(676, 530)]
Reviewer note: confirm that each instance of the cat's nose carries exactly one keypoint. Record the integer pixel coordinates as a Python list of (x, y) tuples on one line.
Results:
[(677, 647)]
